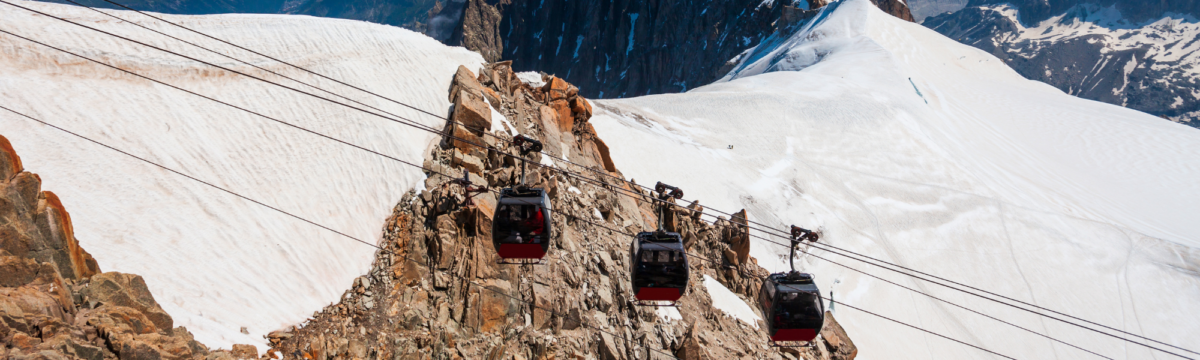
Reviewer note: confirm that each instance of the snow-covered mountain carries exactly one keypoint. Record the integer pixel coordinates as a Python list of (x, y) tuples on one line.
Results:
[(1136, 54), (215, 262), (910, 147), (898, 141)]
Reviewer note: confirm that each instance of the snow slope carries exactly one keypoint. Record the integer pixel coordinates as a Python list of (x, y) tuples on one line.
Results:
[(730, 303), (907, 146), (215, 262)]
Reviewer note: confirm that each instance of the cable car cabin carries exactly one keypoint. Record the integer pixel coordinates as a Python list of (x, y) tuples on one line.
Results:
[(659, 267), (793, 307), (521, 226)]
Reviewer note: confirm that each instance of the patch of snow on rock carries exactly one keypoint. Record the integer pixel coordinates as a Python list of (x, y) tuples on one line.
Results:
[(729, 302)]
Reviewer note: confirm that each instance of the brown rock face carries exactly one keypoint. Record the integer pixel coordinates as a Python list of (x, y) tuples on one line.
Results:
[(739, 239), (10, 163), (127, 290), (480, 30), (436, 290), (472, 111), (35, 224), (562, 111), (897, 8), (54, 303)]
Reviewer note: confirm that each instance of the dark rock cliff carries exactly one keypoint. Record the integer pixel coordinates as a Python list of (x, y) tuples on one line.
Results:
[(615, 48), (1126, 57), (1033, 11), (54, 301)]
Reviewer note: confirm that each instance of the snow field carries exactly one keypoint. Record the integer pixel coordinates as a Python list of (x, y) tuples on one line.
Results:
[(730, 303), (909, 147), (215, 262)]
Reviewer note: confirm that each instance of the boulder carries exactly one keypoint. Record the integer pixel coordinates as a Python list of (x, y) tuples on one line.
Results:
[(128, 290), (608, 347), (543, 301), (562, 111), (15, 271), (494, 306), (471, 163), (472, 112), (10, 162), (581, 107), (464, 139), (244, 351), (556, 89), (605, 158), (27, 302), (447, 236), (549, 119), (692, 348), (59, 235), (113, 320), (463, 80), (739, 240)]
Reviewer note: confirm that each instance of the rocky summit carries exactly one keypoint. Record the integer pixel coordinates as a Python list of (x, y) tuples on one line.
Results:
[(55, 303), (436, 289)]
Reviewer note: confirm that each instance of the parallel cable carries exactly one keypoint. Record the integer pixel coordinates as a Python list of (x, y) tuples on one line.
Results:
[(236, 59), (580, 177), (477, 285), (741, 271), (440, 117), (297, 217), (921, 329), (401, 120)]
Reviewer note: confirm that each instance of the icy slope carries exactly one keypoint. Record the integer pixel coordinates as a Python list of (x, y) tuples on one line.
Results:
[(908, 146), (215, 262)]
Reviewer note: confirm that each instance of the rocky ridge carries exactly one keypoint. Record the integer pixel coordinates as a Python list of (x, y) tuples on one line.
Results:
[(55, 303), (436, 291), (1136, 54)]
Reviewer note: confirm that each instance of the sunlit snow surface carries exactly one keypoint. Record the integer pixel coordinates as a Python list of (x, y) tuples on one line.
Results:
[(985, 178), (216, 262)]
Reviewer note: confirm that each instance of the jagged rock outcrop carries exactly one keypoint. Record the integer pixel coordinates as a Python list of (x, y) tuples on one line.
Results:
[(436, 291), (54, 301), (1111, 51), (897, 8)]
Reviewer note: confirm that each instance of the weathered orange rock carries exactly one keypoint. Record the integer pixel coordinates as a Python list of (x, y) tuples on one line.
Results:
[(492, 97), (566, 122), (740, 242), (128, 290), (581, 107), (471, 111), (556, 89), (244, 351), (463, 80), (464, 139), (10, 163), (81, 265), (494, 306)]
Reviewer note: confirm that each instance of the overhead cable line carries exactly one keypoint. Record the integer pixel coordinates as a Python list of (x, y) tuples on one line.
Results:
[(237, 60), (551, 311), (297, 217), (440, 117), (566, 172), (400, 120), (750, 275)]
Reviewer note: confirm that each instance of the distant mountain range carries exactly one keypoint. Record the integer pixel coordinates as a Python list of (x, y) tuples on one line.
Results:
[(1135, 53), (1139, 54)]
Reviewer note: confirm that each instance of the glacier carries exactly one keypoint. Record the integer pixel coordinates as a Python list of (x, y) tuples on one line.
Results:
[(217, 263), (909, 147)]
